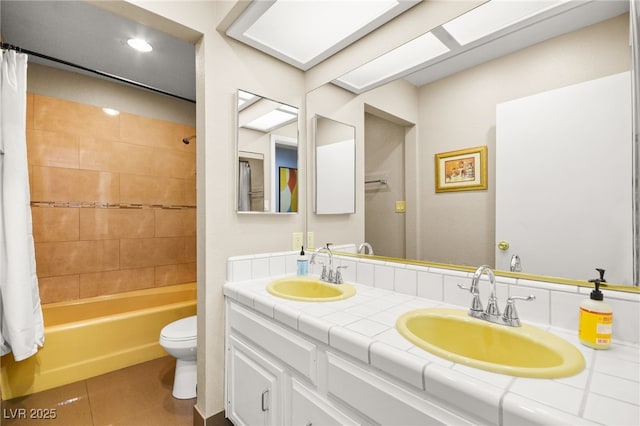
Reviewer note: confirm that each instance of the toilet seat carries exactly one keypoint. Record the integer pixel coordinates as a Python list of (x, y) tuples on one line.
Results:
[(181, 330)]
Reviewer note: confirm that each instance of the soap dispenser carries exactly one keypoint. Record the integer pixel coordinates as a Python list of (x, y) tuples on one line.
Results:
[(596, 318), (303, 263)]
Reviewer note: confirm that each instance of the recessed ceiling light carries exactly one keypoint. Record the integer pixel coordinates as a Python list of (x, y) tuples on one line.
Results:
[(110, 111), (304, 33), (494, 16), (400, 61), (139, 44)]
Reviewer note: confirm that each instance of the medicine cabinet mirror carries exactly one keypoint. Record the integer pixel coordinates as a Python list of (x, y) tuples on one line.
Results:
[(335, 166), (267, 155)]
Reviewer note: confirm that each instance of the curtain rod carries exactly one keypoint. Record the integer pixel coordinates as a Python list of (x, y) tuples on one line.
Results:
[(98, 72)]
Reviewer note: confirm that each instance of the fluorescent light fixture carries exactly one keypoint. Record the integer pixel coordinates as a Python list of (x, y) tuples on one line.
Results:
[(272, 120), (494, 16), (400, 61), (139, 44), (245, 99), (110, 111), (304, 33)]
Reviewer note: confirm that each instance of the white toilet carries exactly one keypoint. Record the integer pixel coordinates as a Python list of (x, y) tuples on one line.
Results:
[(180, 340)]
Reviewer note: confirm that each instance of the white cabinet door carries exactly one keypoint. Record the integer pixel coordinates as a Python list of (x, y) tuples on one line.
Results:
[(309, 409), (254, 387)]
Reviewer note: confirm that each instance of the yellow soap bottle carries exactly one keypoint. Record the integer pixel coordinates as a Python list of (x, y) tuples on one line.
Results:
[(596, 318)]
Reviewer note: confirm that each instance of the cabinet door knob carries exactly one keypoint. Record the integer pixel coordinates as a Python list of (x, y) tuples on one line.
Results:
[(265, 400)]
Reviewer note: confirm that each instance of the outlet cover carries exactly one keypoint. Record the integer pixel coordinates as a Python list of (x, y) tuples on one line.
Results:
[(311, 243), (297, 240)]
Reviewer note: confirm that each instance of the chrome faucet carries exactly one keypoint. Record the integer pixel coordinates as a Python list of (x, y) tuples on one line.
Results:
[(515, 265), (367, 246), (330, 276), (492, 311)]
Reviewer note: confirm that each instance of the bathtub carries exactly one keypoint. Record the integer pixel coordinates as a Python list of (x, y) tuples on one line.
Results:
[(88, 337)]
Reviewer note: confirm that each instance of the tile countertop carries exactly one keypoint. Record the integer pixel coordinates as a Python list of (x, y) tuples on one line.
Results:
[(363, 326)]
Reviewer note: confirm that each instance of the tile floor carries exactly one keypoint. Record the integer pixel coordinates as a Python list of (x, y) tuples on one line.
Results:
[(137, 396)]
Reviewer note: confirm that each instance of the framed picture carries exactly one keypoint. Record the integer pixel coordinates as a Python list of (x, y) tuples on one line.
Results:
[(288, 190), (462, 170)]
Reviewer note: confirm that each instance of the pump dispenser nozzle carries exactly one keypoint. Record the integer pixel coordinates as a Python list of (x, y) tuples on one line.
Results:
[(597, 294)]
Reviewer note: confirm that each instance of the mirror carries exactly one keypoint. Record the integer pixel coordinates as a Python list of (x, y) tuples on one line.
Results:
[(335, 167), (267, 155), (457, 111)]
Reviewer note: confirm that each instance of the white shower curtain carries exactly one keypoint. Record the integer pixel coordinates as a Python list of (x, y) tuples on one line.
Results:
[(21, 325), (244, 187)]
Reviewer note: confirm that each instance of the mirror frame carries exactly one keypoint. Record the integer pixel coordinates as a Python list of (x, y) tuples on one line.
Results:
[(497, 272), (272, 137)]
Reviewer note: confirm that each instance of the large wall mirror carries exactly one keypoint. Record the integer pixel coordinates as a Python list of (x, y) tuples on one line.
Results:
[(451, 105), (335, 166), (267, 155)]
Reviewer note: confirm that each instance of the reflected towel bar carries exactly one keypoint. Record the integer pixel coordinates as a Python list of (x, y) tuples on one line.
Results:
[(380, 181)]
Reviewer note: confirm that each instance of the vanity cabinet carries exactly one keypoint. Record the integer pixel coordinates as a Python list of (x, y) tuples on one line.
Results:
[(254, 386), (279, 377)]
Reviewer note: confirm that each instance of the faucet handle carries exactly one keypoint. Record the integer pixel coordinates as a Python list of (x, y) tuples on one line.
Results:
[(323, 274), (476, 303), (510, 314), (338, 277)]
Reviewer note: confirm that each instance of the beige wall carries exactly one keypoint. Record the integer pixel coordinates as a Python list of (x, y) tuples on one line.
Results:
[(223, 66), (459, 112), (101, 92)]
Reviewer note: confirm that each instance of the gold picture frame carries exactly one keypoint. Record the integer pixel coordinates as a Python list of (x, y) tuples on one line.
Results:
[(462, 170)]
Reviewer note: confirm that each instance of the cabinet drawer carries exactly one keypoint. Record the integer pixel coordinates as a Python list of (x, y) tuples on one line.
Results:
[(308, 409), (381, 400), (300, 354)]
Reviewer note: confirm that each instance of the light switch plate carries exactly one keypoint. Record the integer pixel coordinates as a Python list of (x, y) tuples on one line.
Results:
[(401, 206)]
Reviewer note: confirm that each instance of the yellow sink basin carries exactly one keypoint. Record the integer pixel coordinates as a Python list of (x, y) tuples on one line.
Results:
[(524, 351), (310, 289)]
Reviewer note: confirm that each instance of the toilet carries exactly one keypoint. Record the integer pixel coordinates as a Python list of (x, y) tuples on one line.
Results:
[(179, 339)]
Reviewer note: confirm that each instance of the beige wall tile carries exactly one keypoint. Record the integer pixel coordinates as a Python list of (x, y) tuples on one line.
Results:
[(55, 224), (137, 253), (52, 149), (175, 164), (175, 274), (58, 289), (190, 192), (140, 130), (151, 190), (74, 257), (190, 248), (175, 223), (97, 153), (58, 115), (57, 184), (29, 111), (99, 224), (101, 283)]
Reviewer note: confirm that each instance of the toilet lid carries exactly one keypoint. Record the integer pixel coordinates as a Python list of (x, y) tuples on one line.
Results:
[(182, 329)]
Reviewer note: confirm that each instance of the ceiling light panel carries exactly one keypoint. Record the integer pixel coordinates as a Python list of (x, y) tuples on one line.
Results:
[(400, 61), (305, 32), (271, 121), (495, 16)]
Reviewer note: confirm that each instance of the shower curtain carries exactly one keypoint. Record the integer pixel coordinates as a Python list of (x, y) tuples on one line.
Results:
[(21, 325), (244, 187)]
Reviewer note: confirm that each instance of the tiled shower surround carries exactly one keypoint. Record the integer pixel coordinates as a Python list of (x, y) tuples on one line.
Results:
[(113, 200)]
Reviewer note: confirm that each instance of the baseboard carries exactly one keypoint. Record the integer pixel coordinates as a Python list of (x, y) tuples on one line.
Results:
[(219, 419)]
